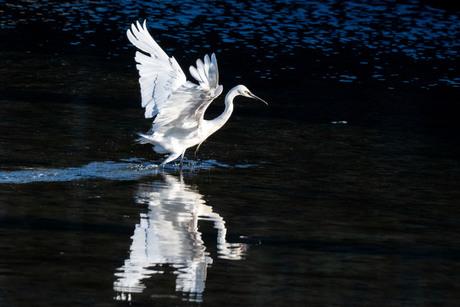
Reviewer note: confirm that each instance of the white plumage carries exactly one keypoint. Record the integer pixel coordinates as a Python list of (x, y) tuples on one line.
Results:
[(179, 105)]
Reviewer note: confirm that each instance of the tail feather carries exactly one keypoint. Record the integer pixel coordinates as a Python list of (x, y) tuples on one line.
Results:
[(148, 139), (144, 139)]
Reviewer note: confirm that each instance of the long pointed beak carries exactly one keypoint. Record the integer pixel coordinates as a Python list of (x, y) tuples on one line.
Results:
[(258, 98)]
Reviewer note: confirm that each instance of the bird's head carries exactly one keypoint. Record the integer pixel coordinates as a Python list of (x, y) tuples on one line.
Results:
[(244, 91)]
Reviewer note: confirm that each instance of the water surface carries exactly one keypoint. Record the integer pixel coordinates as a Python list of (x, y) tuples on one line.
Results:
[(343, 191)]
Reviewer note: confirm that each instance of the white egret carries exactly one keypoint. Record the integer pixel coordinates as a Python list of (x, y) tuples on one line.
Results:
[(179, 105)]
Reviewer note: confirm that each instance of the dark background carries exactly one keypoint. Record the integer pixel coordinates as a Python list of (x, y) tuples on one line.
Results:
[(332, 214)]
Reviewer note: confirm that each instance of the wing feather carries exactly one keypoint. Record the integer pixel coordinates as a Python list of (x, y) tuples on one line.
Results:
[(206, 73), (207, 66), (160, 75), (178, 104)]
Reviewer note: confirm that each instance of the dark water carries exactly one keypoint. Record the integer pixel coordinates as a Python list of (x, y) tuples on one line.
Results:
[(343, 192)]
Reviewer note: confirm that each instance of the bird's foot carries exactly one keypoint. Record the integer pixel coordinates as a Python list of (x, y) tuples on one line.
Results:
[(188, 164), (152, 166)]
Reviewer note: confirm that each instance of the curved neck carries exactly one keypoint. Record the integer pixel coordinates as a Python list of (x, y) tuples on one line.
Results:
[(222, 118)]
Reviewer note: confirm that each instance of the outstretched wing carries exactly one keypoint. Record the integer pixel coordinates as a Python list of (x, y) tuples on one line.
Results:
[(189, 102), (186, 107), (178, 104), (160, 75)]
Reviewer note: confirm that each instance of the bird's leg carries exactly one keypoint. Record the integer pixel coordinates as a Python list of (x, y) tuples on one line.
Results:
[(198, 147), (171, 157), (182, 159)]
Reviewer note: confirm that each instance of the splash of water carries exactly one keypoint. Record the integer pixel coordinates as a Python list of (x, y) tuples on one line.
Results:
[(130, 169)]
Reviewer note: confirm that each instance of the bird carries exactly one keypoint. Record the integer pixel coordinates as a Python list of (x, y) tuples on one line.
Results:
[(177, 105)]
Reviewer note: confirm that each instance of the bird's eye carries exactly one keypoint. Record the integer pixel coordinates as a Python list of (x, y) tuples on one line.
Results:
[(246, 92)]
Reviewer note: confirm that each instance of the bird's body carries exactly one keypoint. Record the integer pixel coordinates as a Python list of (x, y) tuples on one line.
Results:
[(179, 105)]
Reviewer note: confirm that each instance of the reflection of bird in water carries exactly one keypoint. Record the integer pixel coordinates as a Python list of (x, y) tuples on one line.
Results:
[(179, 105), (167, 238)]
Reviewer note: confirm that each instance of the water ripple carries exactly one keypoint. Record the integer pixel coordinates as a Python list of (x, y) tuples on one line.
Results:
[(419, 31), (268, 31)]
